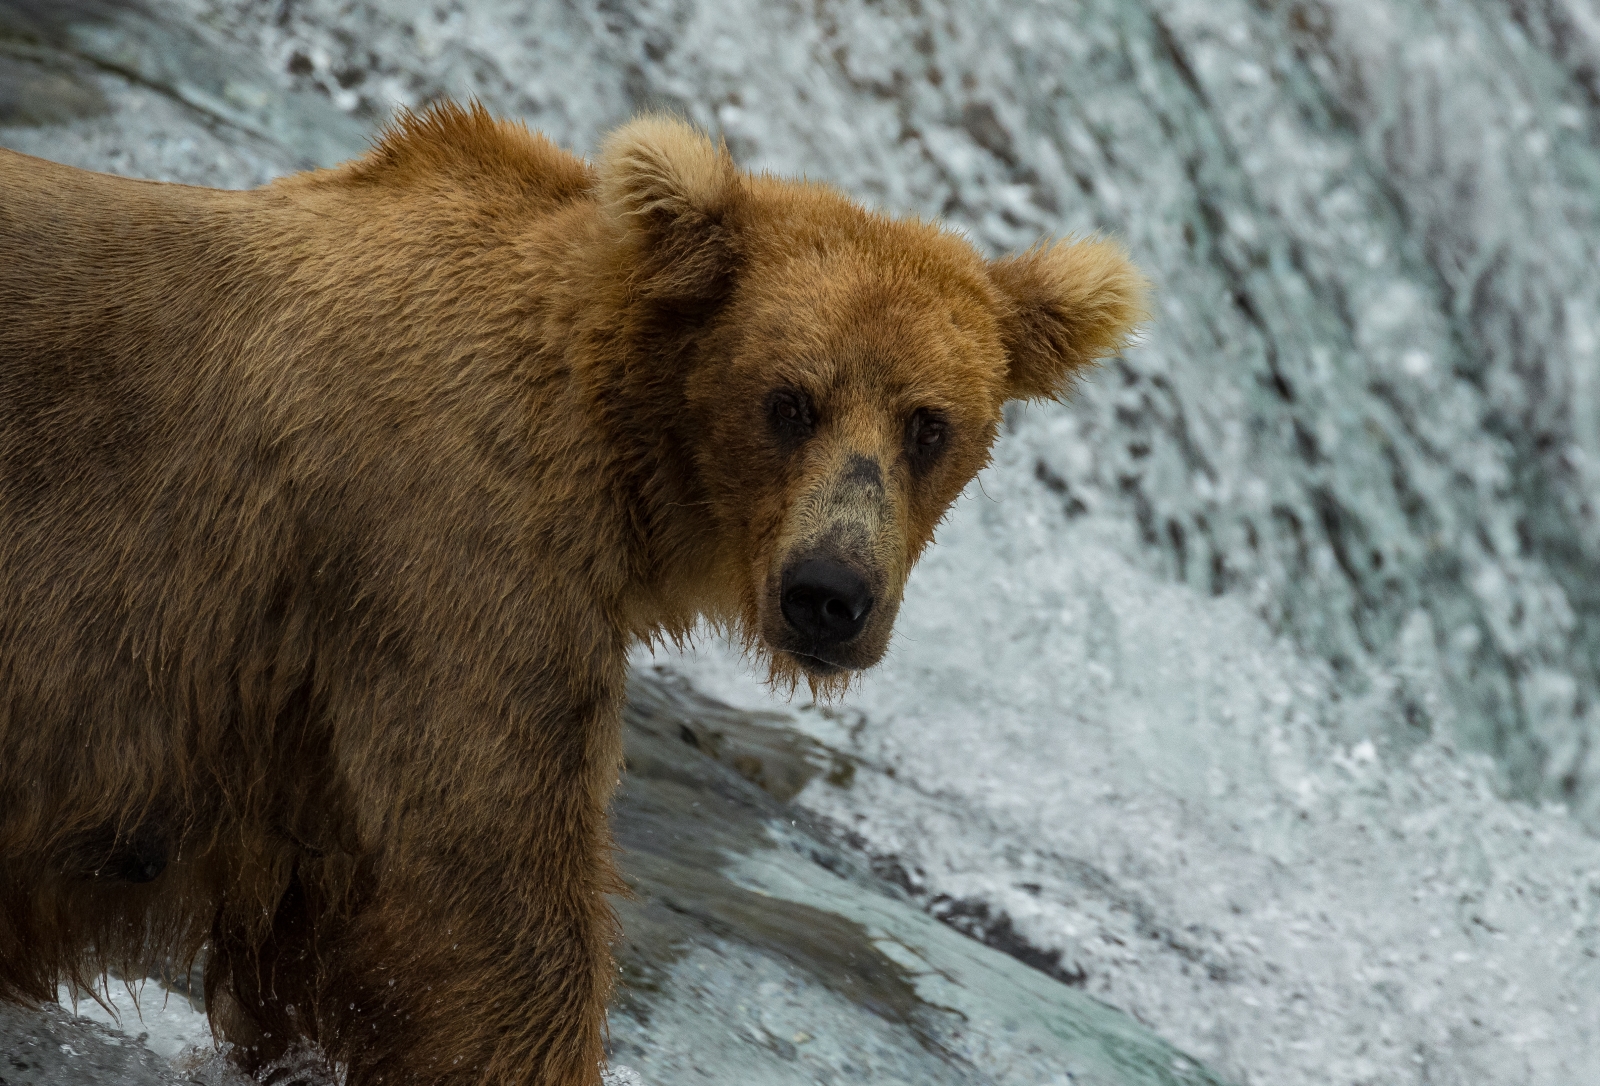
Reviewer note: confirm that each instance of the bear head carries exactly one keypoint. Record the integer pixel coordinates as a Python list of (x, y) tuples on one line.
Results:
[(838, 377)]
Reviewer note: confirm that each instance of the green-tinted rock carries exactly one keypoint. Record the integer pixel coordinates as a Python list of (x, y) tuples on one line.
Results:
[(33, 93), (759, 950), (132, 40)]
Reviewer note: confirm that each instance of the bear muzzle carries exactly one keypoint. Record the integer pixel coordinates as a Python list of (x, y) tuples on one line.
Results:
[(825, 602), (832, 594), (832, 616)]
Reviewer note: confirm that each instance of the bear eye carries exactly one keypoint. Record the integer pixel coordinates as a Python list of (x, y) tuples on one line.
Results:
[(926, 432), (791, 412)]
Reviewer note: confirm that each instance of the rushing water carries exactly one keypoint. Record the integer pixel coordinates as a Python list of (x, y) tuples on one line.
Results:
[(1368, 403)]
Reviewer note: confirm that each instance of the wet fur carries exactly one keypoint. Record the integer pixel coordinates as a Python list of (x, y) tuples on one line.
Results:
[(329, 510)]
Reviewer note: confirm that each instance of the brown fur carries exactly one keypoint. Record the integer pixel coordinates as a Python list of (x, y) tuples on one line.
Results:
[(329, 510)]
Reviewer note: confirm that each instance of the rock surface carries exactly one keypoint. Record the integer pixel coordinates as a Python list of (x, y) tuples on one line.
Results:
[(762, 950), (758, 949), (54, 48)]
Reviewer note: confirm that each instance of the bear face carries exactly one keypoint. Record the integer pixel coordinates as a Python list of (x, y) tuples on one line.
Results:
[(855, 402), (845, 382)]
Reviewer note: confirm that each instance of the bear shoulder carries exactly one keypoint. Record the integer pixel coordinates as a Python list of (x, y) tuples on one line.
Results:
[(464, 146)]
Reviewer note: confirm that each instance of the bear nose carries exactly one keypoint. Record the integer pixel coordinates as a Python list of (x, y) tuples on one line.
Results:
[(825, 601)]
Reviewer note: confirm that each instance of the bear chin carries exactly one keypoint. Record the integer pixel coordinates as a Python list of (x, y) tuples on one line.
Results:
[(817, 667), (825, 680)]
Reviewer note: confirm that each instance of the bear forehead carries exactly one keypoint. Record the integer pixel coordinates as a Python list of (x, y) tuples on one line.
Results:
[(842, 316), (809, 239)]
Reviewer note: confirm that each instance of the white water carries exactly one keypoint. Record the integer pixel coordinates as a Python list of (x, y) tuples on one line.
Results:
[(163, 1022), (1147, 779), (1369, 402)]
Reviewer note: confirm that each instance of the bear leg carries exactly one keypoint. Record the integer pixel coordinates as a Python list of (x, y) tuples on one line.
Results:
[(262, 989), (433, 973), (476, 980)]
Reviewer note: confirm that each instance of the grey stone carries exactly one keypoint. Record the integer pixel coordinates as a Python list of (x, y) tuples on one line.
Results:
[(759, 949), (51, 1047), (35, 92), (146, 44)]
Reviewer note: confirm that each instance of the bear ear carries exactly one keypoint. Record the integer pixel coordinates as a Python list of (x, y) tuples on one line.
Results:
[(673, 194), (1066, 306)]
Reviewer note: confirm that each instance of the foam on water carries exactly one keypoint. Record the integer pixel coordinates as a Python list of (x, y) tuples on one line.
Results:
[(1146, 781)]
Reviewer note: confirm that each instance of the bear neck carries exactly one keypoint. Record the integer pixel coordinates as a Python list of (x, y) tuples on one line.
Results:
[(636, 398)]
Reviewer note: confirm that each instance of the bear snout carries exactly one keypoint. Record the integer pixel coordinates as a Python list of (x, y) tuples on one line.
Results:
[(825, 602)]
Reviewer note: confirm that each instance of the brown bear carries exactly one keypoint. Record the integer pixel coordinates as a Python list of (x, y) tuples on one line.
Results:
[(329, 512)]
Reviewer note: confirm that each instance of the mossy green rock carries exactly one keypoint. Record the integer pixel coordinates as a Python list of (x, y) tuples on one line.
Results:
[(759, 949)]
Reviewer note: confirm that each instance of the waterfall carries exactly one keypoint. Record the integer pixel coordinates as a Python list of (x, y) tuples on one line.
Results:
[(1368, 401)]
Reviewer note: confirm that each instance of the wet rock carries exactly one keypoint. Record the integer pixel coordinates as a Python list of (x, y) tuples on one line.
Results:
[(761, 747), (51, 1047), (35, 92), (760, 948), (49, 50)]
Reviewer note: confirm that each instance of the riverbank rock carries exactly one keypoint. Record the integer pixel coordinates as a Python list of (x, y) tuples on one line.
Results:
[(759, 950)]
